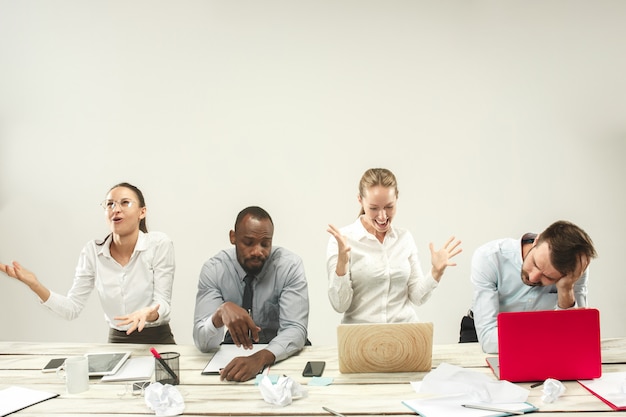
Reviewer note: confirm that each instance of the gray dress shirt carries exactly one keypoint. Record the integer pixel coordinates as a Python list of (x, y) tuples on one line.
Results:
[(280, 305)]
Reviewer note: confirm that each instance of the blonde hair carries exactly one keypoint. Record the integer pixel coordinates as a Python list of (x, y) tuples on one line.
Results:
[(377, 176)]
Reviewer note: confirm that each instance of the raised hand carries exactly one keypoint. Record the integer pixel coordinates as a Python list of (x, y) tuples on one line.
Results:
[(17, 271), (343, 253), (440, 259)]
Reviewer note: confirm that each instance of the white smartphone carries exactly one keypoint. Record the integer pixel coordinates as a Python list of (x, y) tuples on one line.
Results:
[(53, 365)]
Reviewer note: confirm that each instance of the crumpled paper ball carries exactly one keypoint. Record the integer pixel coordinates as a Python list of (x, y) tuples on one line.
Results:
[(164, 400), (552, 389), (283, 392)]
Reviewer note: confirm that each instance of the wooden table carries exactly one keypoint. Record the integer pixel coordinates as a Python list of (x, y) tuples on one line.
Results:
[(206, 395)]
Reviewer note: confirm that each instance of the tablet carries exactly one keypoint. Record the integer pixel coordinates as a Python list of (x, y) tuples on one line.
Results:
[(105, 363)]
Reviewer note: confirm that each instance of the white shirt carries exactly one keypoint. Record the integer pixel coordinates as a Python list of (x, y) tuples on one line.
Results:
[(145, 281), (384, 281)]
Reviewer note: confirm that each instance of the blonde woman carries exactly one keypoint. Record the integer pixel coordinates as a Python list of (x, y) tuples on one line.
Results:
[(374, 272)]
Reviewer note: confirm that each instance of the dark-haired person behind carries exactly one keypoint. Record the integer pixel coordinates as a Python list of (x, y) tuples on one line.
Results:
[(537, 272), (131, 269), (256, 290)]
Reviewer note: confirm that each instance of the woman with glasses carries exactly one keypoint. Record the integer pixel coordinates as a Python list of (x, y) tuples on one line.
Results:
[(131, 269)]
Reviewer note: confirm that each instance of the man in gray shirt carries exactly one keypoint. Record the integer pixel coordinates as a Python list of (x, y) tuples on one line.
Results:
[(274, 309)]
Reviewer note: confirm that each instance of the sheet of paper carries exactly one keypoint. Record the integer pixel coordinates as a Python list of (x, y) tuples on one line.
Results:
[(452, 407), (610, 387), (225, 354), (13, 399), (135, 369)]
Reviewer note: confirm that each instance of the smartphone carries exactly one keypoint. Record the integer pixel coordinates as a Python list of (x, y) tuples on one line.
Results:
[(314, 368), (53, 365)]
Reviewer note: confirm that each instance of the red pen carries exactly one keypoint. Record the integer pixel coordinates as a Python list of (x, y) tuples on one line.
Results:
[(167, 368)]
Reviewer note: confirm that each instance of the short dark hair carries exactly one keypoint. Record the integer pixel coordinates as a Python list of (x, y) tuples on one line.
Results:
[(256, 213), (568, 243)]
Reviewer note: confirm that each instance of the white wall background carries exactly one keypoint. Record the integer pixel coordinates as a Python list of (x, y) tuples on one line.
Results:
[(498, 117)]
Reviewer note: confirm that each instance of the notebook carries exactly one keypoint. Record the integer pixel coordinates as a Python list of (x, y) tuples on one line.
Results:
[(609, 388), (558, 344), (227, 353), (385, 347), (14, 399)]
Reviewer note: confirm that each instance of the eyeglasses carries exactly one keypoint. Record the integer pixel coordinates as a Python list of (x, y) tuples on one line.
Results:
[(112, 204)]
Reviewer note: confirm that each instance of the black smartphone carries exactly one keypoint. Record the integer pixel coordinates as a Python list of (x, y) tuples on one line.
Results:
[(53, 365), (314, 368)]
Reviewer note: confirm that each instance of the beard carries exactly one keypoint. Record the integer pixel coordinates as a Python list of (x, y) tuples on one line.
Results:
[(526, 280), (255, 268)]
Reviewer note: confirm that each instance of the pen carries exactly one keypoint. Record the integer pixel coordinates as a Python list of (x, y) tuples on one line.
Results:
[(167, 368), (498, 410), (333, 412)]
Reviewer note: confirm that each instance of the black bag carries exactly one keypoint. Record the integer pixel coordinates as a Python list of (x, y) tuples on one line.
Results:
[(468, 330)]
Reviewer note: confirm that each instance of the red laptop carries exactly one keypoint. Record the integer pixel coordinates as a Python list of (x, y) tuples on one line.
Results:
[(537, 345)]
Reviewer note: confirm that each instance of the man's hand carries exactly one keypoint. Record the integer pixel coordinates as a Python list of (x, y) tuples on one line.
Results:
[(240, 325), (243, 369), (565, 285)]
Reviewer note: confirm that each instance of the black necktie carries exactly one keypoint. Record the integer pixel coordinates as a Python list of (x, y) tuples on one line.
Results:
[(247, 293), (246, 304)]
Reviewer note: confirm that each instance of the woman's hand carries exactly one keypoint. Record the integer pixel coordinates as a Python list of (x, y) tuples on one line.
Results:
[(18, 272), (22, 274), (139, 318), (441, 259), (343, 253)]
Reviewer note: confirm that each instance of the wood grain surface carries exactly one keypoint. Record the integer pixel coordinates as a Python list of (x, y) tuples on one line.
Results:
[(388, 347)]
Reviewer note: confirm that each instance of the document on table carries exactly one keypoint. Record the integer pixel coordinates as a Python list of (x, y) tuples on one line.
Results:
[(610, 388), (225, 354), (14, 399), (135, 369), (450, 407)]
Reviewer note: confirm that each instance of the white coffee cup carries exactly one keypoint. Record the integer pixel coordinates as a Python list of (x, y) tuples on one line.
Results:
[(75, 372)]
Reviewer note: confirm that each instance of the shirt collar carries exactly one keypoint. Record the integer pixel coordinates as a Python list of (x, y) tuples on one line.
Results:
[(361, 232), (141, 245)]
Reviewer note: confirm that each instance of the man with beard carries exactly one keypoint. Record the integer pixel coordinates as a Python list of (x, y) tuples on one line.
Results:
[(539, 272), (273, 310)]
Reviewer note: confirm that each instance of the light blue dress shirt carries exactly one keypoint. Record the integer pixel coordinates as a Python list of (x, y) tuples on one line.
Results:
[(498, 287)]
